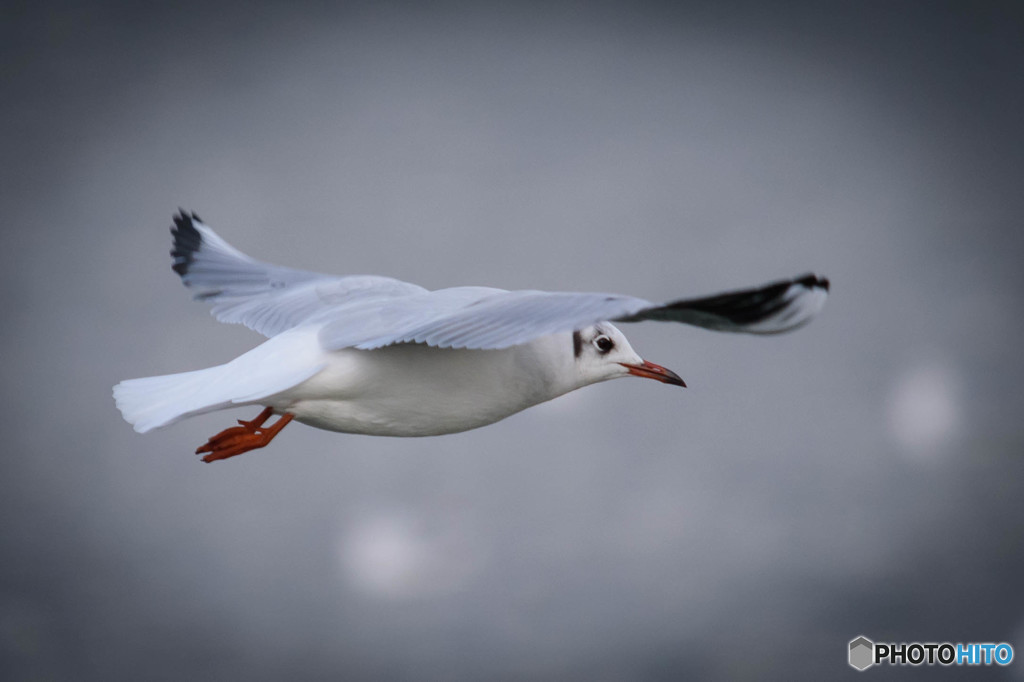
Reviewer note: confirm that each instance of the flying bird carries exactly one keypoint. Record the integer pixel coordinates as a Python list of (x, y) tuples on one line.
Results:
[(375, 355)]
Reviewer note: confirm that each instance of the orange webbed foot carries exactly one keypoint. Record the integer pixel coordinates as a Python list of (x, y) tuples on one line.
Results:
[(249, 435)]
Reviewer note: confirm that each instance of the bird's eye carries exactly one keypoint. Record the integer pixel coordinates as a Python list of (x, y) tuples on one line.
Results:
[(603, 344)]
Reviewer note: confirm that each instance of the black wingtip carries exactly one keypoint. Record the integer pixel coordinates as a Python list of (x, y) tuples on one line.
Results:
[(744, 310), (812, 281), (187, 241)]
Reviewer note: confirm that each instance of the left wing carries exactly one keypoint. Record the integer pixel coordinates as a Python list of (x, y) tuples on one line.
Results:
[(264, 297)]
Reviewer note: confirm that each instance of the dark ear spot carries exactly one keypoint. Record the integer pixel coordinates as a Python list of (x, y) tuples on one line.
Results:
[(577, 344)]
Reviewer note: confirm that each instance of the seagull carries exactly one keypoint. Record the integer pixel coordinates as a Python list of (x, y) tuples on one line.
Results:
[(378, 356)]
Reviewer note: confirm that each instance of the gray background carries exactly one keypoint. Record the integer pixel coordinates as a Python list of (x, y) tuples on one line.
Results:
[(860, 476)]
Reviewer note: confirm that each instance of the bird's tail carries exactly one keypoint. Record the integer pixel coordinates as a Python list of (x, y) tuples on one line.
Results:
[(275, 365), (152, 402)]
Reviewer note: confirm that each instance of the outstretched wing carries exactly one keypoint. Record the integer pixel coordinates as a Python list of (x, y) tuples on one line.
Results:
[(471, 317), (487, 318), (266, 298), (770, 309), (367, 311)]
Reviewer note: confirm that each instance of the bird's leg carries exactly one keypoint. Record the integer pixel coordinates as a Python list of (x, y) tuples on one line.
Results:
[(227, 436), (249, 436), (259, 420)]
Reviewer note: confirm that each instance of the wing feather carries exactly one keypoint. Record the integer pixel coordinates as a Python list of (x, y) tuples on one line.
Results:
[(266, 298), (367, 312), (476, 318), (770, 309)]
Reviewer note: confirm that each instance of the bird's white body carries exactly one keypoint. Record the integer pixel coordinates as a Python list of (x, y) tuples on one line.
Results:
[(398, 390), (375, 355), (416, 390)]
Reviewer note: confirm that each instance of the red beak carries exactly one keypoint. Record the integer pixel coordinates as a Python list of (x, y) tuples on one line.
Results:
[(649, 370)]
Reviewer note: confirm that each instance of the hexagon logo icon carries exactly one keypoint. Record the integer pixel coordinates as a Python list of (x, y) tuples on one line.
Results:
[(862, 653)]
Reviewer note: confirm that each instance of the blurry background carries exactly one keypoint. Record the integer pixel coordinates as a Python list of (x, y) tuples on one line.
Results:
[(863, 475)]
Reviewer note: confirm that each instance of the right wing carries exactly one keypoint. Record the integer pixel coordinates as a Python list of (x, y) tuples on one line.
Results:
[(769, 309), (477, 318)]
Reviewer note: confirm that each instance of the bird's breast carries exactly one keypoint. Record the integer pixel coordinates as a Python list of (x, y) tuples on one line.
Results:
[(417, 390)]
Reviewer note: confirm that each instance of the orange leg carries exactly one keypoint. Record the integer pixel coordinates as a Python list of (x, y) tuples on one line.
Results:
[(248, 436)]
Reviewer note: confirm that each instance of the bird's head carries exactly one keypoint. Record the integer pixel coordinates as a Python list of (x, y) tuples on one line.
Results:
[(602, 352)]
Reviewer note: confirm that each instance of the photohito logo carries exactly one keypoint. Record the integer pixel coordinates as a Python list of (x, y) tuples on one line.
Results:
[(864, 653)]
